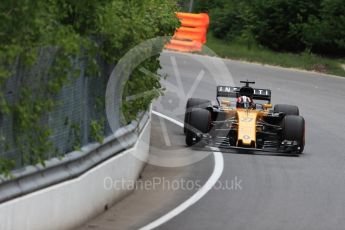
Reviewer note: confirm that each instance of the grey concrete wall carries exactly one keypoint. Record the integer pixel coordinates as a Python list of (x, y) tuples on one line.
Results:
[(73, 202)]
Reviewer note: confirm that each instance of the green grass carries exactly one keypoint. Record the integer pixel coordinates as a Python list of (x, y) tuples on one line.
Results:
[(306, 61)]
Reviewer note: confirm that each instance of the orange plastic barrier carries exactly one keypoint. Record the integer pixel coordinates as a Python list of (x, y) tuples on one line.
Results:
[(184, 46), (193, 23), (192, 34), (187, 37), (193, 30), (200, 19), (187, 33)]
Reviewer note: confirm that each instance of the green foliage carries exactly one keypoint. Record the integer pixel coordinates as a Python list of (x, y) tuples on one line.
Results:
[(281, 25), (27, 26), (230, 23), (97, 130), (141, 89), (278, 23), (92, 30), (205, 6), (6, 166), (325, 33)]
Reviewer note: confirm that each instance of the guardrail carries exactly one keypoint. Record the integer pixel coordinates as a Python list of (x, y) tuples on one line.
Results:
[(74, 164)]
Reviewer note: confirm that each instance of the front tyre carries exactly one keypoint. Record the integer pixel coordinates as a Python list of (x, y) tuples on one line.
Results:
[(294, 130), (286, 109), (199, 122), (194, 103)]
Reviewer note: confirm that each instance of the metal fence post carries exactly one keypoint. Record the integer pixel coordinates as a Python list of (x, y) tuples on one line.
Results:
[(191, 3)]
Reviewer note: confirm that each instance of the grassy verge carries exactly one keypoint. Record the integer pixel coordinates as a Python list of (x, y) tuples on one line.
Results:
[(306, 61)]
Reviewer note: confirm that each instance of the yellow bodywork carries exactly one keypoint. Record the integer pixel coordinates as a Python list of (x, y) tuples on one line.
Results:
[(246, 133), (246, 123)]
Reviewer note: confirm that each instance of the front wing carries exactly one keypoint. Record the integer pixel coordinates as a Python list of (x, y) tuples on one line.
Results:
[(205, 140)]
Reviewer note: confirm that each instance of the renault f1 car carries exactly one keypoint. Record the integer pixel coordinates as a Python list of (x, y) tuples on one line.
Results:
[(251, 126)]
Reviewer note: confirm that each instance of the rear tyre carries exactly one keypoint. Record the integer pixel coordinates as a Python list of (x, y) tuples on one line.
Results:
[(294, 130), (286, 109), (194, 103), (199, 122)]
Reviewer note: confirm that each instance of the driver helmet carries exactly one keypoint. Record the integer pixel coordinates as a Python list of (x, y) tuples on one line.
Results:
[(244, 102)]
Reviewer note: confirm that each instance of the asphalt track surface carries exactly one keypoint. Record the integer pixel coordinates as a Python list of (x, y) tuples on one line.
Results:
[(275, 192)]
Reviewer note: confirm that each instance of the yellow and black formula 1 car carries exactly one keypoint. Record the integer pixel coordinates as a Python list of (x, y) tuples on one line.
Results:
[(243, 119)]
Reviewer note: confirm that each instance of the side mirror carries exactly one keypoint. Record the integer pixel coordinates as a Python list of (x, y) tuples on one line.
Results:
[(267, 106)]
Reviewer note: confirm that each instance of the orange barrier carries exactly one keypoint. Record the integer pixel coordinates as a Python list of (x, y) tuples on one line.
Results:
[(193, 30), (193, 23), (201, 18), (187, 37), (184, 46), (187, 33), (192, 34)]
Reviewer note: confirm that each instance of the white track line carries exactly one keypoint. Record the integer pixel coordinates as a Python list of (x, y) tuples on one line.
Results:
[(164, 131), (168, 118), (217, 172)]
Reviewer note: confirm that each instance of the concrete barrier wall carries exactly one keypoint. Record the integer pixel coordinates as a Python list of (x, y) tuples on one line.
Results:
[(71, 203)]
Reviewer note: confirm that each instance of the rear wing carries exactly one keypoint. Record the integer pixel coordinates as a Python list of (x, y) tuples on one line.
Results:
[(230, 91)]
